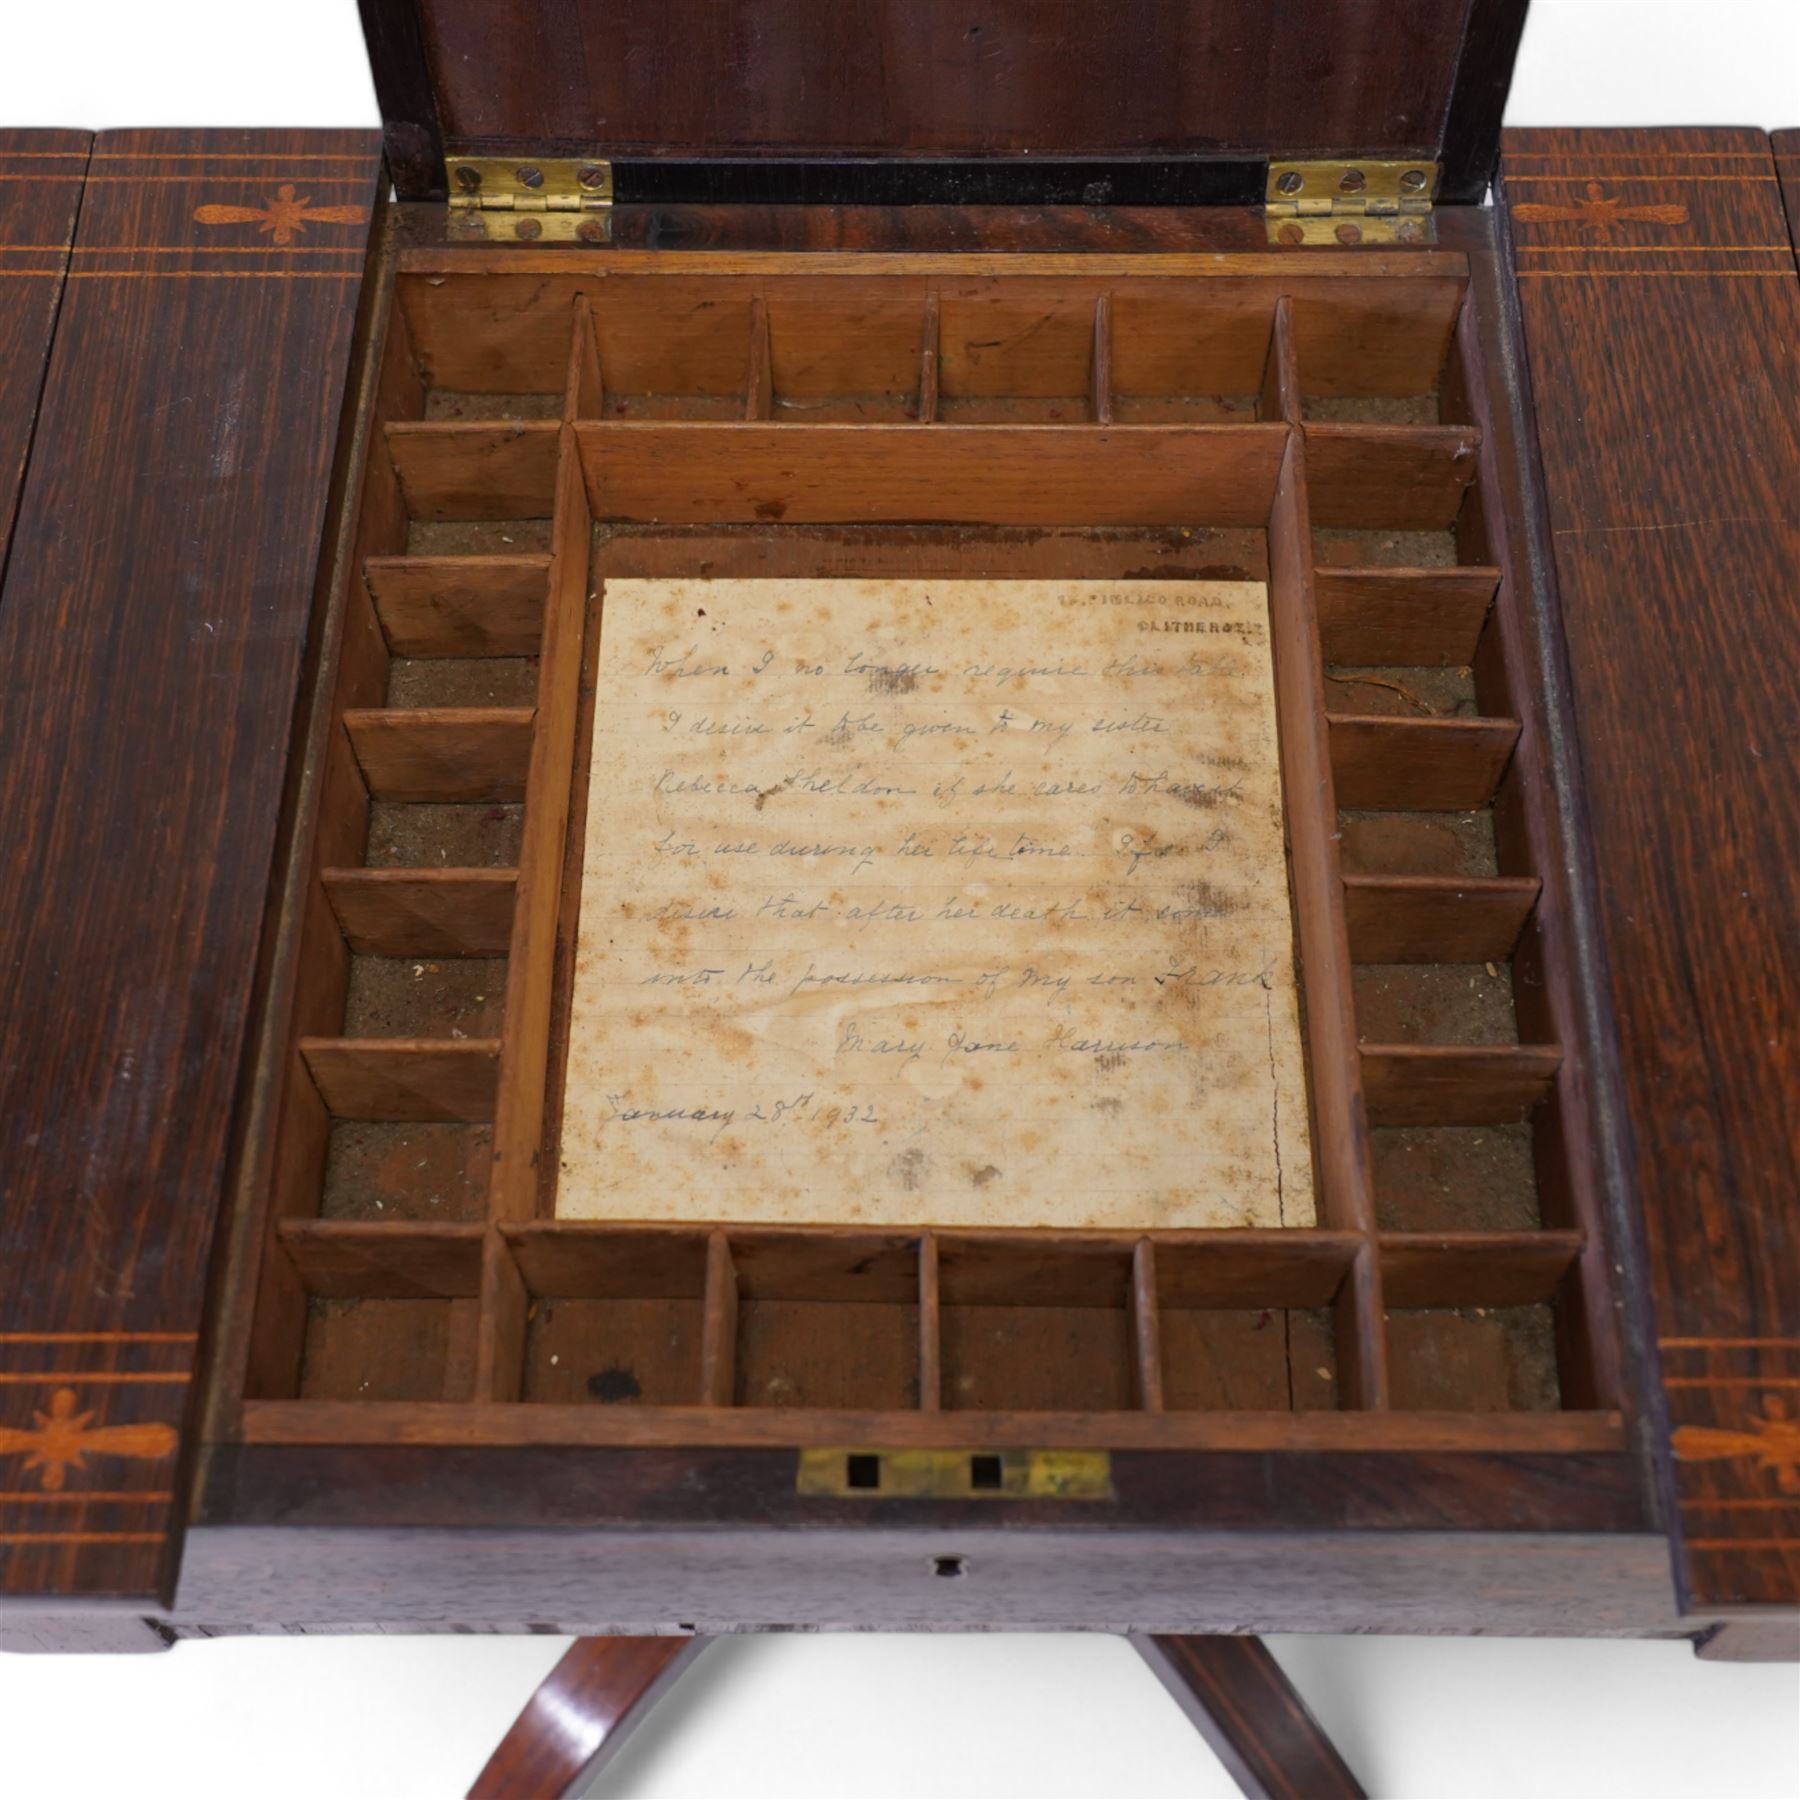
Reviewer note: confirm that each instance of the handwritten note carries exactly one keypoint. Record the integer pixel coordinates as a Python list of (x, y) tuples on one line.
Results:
[(935, 902)]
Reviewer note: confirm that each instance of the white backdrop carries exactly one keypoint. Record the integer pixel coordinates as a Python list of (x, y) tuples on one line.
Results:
[(399, 1718)]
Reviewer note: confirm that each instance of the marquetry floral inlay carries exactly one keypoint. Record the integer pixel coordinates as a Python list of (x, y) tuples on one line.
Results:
[(1600, 212), (62, 1439), (285, 216), (1773, 1440)]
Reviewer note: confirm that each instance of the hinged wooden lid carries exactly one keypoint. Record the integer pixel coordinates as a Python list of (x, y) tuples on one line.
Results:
[(949, 101)]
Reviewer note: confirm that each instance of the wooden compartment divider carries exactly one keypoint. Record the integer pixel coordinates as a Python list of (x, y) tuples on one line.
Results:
[(931, 1327), (459, 605), (1476, 1268), (1387, 764), (759, 381), (445, 753), (1100, 396), (718, 1342), (1456, 1084), (688, 472), (1399, 477), (423, 912), (456, 469), (525, 1039), (1341, 1153), (1437, 918), (415, 1079), (344, 1259), (1428, 618), (1146, 1326), (925, 407)]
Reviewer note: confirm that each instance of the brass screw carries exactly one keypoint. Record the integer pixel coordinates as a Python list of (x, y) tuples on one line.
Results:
[(1409, 231), (1349, 233), (528, 229), (530, 176), (1352, 181), (467, 178), (590, 231), (1291, 233), (590, 177), (1291, 182), (1414, 181)]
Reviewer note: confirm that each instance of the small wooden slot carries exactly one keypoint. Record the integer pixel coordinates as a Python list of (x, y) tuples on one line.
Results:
[(1388, 764), (1037, 1324), (827, 1319), (389, 1312), (453, 470), (613, 1314), (1476, 1320), (423, 912), (925, 408), (1245, 1321), (1015, 349), (443, 1079), (459, 605), (702, 473), (1399, 477), (1376, 618), (718, 1340), (1456, 1084), (1376, 338), (1437, 918), (842, 353), (442, 753), (1191, 355)]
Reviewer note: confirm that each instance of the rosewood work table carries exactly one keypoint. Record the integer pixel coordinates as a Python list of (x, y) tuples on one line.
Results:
[(457, 1178)]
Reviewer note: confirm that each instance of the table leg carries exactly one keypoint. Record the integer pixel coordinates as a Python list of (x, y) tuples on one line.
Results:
[(580, 1717), (1236, 1697)]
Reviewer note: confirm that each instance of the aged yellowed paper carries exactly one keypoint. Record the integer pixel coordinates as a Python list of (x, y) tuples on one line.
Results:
[(935, 902)]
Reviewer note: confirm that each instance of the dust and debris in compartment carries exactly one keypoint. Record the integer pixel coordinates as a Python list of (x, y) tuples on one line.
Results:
[(1252, 1359), (1473, 1359), (462, 681), (409, 834), (613, 1351), (406, 1172), (1433, 1178)]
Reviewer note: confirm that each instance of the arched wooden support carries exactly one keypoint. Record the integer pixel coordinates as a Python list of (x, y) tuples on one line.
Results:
[(581, 1716), (1237, 1698)]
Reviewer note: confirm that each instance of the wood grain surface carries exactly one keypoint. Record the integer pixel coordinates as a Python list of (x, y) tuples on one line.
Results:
[(1662, 318), (151, 644), (872, 78), (40, 194)]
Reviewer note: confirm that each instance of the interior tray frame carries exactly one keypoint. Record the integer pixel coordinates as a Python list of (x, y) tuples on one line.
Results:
[(1326, 473)]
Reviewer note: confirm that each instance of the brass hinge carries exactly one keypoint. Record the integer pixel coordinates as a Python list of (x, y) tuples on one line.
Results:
[(1350, 202), (531, 199)]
